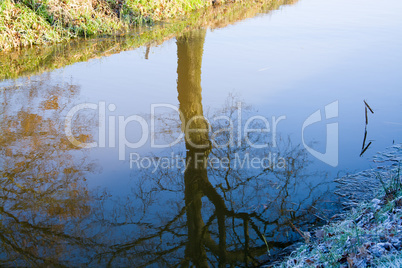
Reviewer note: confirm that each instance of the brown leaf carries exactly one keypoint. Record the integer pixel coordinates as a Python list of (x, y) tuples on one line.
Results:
[(309, 261), (350, 262)]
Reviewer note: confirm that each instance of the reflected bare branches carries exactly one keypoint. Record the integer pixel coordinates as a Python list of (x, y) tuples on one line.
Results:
[(200, 215), (43, 196)]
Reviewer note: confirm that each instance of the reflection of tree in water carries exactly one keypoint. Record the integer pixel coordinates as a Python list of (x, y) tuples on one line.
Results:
[(226, 215), (197, 217), (42, 194)]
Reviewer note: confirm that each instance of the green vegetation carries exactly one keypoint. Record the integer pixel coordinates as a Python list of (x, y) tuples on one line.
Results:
[(33, 22), (149, 11), (21, 26), (35, 60), (370, 235)]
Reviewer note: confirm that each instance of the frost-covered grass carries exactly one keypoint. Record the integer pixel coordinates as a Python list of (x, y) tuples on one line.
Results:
[(370, 235), (392, 261)]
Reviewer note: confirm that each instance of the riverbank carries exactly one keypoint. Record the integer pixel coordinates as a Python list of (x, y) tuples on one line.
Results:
[(32, 60), (367, 235), (38, 22)]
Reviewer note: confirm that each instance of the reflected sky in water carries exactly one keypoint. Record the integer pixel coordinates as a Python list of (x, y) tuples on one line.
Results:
[(291, 62)]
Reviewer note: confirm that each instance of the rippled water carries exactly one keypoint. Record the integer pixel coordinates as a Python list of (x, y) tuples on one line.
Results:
[(84, 177)]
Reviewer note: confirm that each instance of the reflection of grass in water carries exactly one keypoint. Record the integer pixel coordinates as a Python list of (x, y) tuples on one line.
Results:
[(40, 59)]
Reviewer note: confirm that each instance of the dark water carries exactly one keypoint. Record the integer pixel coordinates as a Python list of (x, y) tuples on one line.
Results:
[(206, 150)]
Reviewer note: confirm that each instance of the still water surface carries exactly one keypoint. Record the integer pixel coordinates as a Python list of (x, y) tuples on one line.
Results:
[(217, 195)]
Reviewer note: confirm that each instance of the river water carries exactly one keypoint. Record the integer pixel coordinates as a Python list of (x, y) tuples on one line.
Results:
[(210, 148)]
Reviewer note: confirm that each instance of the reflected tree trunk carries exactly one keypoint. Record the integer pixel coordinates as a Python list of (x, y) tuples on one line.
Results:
[(198, 146), (190, 50), (197, 185)]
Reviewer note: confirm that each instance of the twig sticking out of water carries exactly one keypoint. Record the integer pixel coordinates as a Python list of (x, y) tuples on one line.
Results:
[(364, 147), (368, 106), (365, 137), (365, 112)]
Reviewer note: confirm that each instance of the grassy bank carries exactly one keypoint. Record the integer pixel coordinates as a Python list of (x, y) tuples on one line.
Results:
[(38, 59), (369, 235), (35, 22)]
